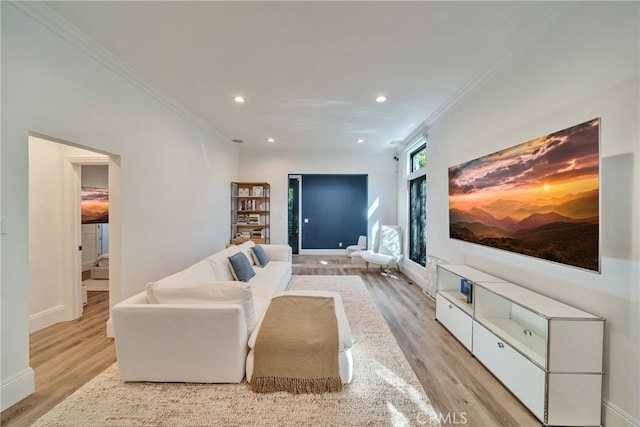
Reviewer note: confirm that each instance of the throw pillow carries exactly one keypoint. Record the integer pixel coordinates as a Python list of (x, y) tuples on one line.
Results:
[(205, 293), (260, 256), (241, 267)]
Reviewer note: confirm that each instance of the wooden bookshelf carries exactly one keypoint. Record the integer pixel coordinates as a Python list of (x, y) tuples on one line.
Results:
[(250, 212)]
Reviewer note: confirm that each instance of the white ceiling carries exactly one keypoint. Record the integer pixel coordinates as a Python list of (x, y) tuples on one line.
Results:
[(309, 70)]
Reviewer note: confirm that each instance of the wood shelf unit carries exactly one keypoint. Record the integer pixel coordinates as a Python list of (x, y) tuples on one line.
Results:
[(250, 212)]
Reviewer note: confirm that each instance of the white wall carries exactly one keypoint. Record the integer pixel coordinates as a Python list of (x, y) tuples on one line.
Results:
[(585, 66), (174, 173), (47, 239), (96, 176), (273, 165)]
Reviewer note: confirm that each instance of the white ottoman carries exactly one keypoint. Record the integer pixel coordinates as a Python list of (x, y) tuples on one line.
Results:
[(345, 338)]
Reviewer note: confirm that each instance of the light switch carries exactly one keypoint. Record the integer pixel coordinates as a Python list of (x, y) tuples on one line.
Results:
[(306, 220)]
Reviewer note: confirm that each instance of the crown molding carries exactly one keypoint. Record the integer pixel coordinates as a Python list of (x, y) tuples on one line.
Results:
[(63, 28), (555, 12)]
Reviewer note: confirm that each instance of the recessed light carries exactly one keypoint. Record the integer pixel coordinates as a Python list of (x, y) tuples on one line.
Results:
[(380, 99), (360, 141), (239, 99), (237, 141), (271, 140)]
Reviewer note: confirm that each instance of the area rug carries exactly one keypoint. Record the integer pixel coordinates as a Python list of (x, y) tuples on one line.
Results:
[(385, 391)]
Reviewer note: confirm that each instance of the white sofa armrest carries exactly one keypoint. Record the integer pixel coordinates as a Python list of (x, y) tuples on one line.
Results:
[(205, 343), (278, 252)]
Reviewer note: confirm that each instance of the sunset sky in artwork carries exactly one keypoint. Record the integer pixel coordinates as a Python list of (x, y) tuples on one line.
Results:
[(95, 201), (548, 168)]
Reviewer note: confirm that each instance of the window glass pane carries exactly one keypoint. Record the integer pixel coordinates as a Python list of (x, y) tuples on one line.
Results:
[(418, 220), (419, 158)]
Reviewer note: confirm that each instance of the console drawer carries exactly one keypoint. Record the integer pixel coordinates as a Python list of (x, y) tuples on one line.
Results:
[(455, 320), (516, 372)]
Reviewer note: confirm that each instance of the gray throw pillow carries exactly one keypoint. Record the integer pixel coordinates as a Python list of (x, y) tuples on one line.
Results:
[(260, 255), (241, 267)]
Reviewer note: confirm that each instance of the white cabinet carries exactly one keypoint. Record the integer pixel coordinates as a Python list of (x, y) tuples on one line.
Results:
[(455, 319), (516, 372), (452, 309), (546, 340), (547, 353)]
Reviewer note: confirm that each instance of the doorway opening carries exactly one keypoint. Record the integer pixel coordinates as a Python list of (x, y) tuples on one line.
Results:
[(294, 213), (95, 228), (55, 228), (326, 212)]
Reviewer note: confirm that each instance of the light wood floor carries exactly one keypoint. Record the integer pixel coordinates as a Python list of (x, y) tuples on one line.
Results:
[(67, 355), (64, 357)]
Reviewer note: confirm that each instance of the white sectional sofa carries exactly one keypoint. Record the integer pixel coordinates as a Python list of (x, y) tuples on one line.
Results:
[(193, 326)]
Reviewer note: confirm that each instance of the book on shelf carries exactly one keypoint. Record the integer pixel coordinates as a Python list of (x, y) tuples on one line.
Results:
[(253, 219), (247, 205), (466, 290), (257, 233), (242, 219)]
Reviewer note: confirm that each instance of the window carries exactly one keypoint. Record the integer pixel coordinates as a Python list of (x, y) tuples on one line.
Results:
[(419, 158), (417, 198), (418, 219)]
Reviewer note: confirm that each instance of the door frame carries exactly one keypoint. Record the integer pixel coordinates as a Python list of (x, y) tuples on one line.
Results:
[(72, 229), (299, 178), (73, 257)]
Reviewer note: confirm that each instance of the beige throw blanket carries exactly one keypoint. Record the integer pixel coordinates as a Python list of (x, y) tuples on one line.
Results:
[(297, 347)]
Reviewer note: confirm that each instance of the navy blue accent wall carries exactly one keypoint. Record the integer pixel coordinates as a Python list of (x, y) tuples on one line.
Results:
[(336, 207)]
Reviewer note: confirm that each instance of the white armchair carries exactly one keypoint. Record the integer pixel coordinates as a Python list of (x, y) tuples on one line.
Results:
[(360, 246), (387, 249)]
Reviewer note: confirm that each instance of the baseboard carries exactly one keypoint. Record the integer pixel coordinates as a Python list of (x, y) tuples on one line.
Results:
[(97, 285), (45, 318), (110, 332), (323, 251), (16, 388), (616, 417), (415, 272)]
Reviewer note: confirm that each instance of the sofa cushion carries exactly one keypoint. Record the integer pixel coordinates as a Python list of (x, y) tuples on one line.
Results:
[(205, 293), (220, 262), (247, 249), (201, 271), (241, 267), (260, 256), (260, 306), (271, 279)]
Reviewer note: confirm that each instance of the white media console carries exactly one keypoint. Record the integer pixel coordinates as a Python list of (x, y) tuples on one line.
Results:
[(547, 353)]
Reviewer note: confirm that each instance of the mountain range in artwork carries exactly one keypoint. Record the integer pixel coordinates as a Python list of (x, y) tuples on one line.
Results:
[(94, 205), (539, 198)]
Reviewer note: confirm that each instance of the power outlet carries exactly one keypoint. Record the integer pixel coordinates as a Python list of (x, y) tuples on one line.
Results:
[(340, 244)]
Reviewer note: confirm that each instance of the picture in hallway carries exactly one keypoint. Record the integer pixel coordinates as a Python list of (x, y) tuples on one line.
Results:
[(94, 205)]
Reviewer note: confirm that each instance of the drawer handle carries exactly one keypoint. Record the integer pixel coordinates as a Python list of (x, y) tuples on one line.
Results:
[(500, 344), (450, 306)]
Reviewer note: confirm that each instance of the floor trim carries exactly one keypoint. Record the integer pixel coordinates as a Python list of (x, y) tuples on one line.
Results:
[(17, 388)]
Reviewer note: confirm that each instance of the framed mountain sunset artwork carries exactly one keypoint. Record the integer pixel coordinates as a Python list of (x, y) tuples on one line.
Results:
[(94, 205), (540, 198)]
